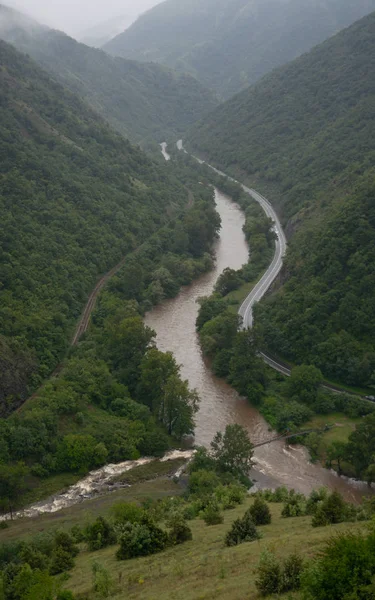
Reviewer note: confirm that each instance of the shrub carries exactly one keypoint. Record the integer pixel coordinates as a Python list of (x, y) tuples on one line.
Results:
[(141, 539), (345, 570), (276, 578), (269, 579), (293, 508), (61, 561), (242, 530), (100, 534), (4, 525), (331, 511), (180, 532), (102, 582), (293, 568), (203, 482), (212, 515), (65, 541), (127, 512), (65, 595), (260, 512), (315, 498)]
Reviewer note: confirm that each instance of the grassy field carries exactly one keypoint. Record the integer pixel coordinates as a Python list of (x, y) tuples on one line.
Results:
[(204, 569), (143, 486), (343, 426)]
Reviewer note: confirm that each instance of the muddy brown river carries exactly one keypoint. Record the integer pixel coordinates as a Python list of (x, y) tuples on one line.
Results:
[(174, 321)]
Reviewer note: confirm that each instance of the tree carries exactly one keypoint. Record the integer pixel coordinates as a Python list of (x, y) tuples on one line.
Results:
[(336, 453), (12, 484), (228, 281), (178, 407), (361, 446), (233, 451), (304, 383), (155, 369)]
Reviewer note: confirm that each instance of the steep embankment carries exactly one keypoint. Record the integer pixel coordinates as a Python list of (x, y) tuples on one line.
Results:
[(75, 198), (142, 101), (307, 133), (230, 44)]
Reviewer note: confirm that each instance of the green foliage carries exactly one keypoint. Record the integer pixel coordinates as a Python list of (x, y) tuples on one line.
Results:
[(233, 451), (203, 483), (102, 581), (242, 530), (99, 534), (345, 569), (275, 577), (331, 510), (126, 512), (141, 539), (212, 515), (179, 532), (294, 507), (260, 512)]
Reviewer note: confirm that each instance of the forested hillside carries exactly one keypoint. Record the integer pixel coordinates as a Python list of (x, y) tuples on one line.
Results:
[(306, 135), (142, 101), (230, 44), (75, 197)]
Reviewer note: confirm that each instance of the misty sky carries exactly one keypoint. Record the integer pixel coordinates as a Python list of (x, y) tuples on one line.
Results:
[(74, 16)]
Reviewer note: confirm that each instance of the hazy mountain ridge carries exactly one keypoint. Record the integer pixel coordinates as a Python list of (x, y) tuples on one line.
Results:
[(142, 101), (307, 132), (230, 44)]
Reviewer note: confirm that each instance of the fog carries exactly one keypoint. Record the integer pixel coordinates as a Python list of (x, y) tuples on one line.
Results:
[(76, 16)]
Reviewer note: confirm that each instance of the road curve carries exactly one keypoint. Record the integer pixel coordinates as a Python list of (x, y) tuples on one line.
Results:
[(259, 290)]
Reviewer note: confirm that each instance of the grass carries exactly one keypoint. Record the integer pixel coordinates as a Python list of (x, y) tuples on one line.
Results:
[(88, 510), (343, 427), (204, 569), (236, 297)]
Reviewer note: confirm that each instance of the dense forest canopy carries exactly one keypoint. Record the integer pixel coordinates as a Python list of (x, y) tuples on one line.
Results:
[(142, 101), (230, 44), (305, 134), (75, 197)]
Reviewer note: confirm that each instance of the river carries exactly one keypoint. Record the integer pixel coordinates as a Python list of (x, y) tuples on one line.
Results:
[(174, 322)]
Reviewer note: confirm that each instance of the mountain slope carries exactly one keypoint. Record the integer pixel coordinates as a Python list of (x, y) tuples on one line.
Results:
[(307, 134), (142, 101), (75, 197), (230, 44)]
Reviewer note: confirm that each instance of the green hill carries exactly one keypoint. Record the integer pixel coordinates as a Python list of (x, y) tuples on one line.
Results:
[(75, 197), (230, 44), (305, 134), (142, 101)]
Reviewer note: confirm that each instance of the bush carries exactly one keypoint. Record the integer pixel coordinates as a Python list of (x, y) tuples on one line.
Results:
[(276, 578), (100, 534), (314, 500), (346, 569), (269, 575), (65, 541), (242, 530), (127, 512), (229, 496), (180, 532), (61, 561), (293, 508), (65, 595), (260, 512), (331, 511), (291, 574), (212, 515), (203, 482), (102, 582), (141, 539)]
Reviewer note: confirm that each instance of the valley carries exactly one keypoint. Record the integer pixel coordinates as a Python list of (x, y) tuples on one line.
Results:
[(187, 357)]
